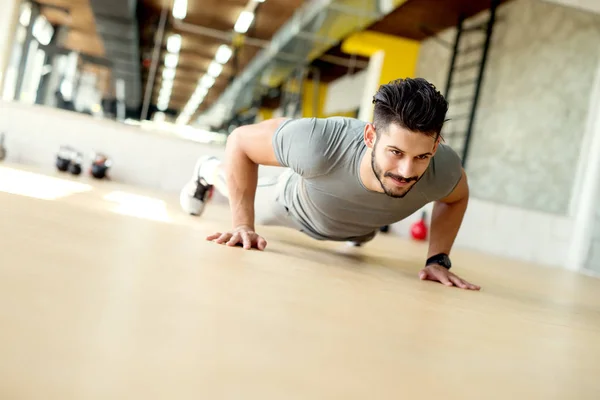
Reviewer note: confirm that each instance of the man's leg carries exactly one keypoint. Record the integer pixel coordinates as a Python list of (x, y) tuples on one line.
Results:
[(269, 207), (357, 242), (209, 175)]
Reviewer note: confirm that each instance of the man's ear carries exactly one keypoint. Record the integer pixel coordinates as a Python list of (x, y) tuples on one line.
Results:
[(370, 135), (437, 143)]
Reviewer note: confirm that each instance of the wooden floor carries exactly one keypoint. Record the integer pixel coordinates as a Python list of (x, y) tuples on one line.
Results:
[(98, 304)]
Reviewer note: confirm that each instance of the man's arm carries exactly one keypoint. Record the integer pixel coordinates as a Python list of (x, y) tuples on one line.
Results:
[(305, 145), (446, 218), (248, 147)]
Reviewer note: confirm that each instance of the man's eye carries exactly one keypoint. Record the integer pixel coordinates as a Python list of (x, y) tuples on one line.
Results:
[(395, 152)]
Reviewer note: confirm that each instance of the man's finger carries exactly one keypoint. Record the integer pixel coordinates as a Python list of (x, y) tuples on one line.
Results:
[(246, 240), (261, 243), (235, 238), (471, 286), (423, 274), (223, 238), (443, 278), (468, 285), (458, 282), (213, 236)]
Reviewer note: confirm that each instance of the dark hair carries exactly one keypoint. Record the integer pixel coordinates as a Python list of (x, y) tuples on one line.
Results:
[(414, 104)]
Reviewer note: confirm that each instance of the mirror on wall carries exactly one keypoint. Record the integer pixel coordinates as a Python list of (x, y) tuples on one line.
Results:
[(91, 58)]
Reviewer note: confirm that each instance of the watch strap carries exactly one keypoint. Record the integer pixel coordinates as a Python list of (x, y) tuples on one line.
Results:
[(440, 259)]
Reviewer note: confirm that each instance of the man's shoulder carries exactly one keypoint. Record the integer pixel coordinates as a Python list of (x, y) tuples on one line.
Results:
[(314, 146), (322, 132), (444, 172), (446, 156), (324, 124)]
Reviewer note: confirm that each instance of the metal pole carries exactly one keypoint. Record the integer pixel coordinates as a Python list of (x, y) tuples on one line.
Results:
[(454, 55), (155, 58), (24, 61), (316, 90), (264, 44), (488, 40)]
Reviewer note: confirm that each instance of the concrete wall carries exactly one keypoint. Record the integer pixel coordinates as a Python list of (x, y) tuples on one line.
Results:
[(534, 102)]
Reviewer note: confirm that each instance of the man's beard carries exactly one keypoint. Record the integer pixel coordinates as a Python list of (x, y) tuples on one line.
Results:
[(380, 175)]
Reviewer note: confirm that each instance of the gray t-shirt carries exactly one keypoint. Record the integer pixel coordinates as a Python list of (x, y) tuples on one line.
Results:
[(325, 194)]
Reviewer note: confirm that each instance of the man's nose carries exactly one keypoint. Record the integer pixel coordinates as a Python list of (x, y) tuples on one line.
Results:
[(406, 168)]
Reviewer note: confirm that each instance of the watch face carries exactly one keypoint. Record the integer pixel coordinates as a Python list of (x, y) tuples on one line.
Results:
[(445, 261)]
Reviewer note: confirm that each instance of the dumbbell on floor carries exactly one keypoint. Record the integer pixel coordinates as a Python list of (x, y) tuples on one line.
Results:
[(75, 166), (69, 160), (100, 166), (63, 158)]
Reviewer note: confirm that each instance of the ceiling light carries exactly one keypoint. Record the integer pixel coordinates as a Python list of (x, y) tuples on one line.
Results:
[(223, 54), (171, 60), (162, 105), (207, 81), (202, 91), (180, 9), (165, 93), (244, 21), (197, 95), (42, 30), (168, 74), (174, 43), (25, 17), (159, 116), (215, 69), (167, 84), (196, 100), (182, 120)]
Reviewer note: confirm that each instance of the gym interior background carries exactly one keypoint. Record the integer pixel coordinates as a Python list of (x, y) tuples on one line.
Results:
[(522, 93), (153, 84)]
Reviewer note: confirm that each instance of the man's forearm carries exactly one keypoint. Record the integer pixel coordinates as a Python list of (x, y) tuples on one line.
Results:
[(242, 178), (445, 224)]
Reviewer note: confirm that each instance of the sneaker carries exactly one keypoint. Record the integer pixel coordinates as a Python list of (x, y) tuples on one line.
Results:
[(198, 171), (354, 244), (198, 191)]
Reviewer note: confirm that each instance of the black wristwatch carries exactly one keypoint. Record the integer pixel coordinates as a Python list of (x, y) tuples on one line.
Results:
[(440, 259)]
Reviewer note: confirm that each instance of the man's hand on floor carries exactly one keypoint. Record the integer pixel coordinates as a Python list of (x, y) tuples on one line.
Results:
[(440, 274), (241, 236)]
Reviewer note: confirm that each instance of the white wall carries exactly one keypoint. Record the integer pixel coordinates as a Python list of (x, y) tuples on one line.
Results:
[(355, 92), (345, 93), (509, 232), (147, 159)]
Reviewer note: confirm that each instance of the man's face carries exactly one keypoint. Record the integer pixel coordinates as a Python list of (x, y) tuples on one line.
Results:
[(399, 158)]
